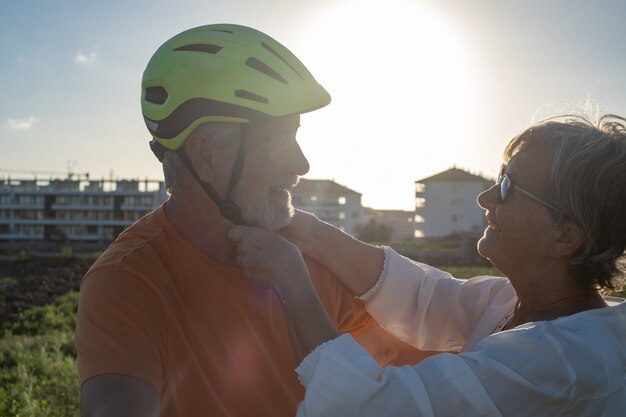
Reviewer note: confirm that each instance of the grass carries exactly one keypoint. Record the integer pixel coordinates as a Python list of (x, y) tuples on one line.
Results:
[(38, 374)]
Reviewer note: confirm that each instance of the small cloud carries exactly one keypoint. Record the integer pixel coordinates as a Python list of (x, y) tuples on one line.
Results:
[(84, 59), (22, 124)]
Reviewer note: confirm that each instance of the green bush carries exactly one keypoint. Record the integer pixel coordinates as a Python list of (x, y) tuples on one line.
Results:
[(58, 316), (20, 256), (66, 252), (38, 374), (7, 282), (90, 257)]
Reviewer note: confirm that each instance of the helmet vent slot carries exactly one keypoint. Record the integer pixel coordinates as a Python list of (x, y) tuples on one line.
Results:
[(221, 30), (156, 95), (251, 96), (277, 55), (262, 67), (200, 47)]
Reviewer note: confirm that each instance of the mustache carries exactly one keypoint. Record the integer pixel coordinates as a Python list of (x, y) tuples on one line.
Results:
[(288, 181)]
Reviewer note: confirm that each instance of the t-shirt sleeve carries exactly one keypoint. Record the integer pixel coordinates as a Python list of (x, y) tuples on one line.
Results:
[(120, 327), (347, 312)]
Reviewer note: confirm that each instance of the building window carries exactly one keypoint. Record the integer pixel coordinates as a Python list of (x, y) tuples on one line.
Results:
[(341, 200), (342, 215), (420, 201), (419, 187), (313, 198), (419, 219), (108, 232), (418, 233)]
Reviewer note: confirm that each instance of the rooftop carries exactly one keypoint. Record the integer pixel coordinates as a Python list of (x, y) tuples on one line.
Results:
[(455, 175), (306, 186)]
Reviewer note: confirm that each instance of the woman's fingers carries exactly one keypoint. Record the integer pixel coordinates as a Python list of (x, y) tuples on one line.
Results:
[(260, 253)]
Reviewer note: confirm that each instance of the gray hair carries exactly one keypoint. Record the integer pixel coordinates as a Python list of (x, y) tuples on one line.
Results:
[(588, 183), (175, 173)]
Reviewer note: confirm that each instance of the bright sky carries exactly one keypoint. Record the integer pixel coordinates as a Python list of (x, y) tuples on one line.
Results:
[(418, 85)]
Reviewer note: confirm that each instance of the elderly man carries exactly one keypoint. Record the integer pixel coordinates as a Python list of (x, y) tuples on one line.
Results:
[(167, 324)]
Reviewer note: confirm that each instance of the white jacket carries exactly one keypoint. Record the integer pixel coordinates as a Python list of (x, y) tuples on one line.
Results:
[(571, 366)]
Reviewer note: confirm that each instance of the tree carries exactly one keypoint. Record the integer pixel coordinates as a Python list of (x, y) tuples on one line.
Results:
[(373, 231)]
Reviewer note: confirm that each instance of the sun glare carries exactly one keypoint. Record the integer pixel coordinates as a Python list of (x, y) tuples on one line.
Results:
[(400, 81)]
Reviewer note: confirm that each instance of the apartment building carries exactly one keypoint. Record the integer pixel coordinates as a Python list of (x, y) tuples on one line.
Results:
[(329, 201), (445, 203), (42, 214)]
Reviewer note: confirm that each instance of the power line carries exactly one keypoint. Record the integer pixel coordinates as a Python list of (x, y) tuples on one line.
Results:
[(30, 171), (41, 172)]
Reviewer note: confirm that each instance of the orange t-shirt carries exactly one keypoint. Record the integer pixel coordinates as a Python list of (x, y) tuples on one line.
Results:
[(155, 307)]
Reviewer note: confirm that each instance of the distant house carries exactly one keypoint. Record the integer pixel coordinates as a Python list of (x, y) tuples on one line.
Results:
[(329, 201), (445, 203), (402, 222), (44, 214)]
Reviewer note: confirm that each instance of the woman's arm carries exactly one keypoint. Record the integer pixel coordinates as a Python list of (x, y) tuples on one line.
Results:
[(355, 263), (272, 260)]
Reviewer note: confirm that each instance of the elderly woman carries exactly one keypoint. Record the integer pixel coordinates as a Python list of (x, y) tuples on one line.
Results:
[(541, 342)]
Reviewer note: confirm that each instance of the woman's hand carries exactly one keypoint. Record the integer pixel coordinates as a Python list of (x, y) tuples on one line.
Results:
[(269, 258), (301, 231), (355, 263)]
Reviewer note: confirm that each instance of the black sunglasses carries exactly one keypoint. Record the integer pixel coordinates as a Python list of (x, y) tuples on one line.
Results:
[(506, 184)]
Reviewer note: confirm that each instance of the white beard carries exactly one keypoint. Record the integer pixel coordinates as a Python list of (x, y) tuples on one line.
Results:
[(274, 212)]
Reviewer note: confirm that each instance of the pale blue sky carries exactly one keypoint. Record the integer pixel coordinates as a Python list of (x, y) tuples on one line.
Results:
[(417, 86)]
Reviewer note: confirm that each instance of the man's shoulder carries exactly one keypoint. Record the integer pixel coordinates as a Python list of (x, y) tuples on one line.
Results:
[(138, 242)]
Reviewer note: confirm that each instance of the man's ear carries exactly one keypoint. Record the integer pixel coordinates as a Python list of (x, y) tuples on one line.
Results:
[(567, 240), (200, 155)]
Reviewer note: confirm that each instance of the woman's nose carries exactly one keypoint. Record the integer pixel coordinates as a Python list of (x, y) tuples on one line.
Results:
[(488, 199)]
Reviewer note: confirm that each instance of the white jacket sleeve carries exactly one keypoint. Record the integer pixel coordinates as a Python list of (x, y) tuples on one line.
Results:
[(343, 380), (431, 310), (571, 366)]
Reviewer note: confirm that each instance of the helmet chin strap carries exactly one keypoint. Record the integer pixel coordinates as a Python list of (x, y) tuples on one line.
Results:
[(228, 208)]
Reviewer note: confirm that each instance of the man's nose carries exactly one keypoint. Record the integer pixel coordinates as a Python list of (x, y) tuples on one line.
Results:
[(298, 163)]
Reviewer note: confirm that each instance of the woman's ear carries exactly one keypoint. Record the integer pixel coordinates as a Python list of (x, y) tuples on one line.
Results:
[(568, 239), (199, 151)]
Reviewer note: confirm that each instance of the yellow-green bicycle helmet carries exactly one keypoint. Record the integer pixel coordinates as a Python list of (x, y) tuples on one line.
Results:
[(223, 73)]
